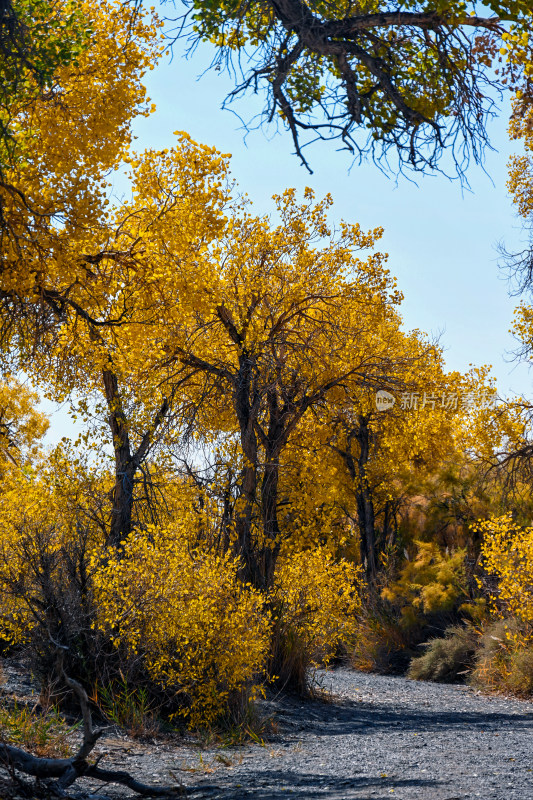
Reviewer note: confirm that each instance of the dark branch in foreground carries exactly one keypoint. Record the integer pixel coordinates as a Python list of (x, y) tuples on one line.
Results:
[(327, 76), (68, 770)]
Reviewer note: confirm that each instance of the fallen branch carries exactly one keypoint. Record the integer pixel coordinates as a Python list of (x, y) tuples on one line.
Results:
[(68, 770)]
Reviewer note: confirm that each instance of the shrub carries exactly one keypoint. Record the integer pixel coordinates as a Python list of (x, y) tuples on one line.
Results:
[(172, 621), (446, 660), (184, 617), (426, 597), (45, 591), (315, 602), (432, 583), (504, 661), (381, 643), (505, 658)]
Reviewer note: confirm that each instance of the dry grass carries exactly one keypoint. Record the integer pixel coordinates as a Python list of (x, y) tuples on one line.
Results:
[(44, 734), (381, 644), (504, 662), (446, 660)]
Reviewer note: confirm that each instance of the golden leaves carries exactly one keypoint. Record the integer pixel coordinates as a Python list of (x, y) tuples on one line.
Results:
[(507, 551), (201, 633)]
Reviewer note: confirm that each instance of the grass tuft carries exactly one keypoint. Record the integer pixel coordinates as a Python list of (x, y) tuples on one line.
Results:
[(446, 660), (45, 734)]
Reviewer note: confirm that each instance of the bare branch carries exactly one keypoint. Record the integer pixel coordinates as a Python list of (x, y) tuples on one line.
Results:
[(363, 94), (68, 770)]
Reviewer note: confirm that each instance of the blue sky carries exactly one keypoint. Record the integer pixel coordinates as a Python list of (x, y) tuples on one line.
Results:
[(441, 241)]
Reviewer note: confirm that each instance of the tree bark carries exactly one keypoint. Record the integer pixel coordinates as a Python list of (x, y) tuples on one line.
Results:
[(245, 408), (121, 512), (357, 469), (275, 440), (126, 462), (365, 504)]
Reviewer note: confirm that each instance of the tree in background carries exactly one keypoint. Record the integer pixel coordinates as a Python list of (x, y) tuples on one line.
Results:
[(295, 315), (516, 457), (155, 269)]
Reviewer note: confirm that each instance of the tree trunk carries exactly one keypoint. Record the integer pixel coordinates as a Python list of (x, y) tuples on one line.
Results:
[(275, 440), (271, 531), (243, 525), (126, 462), (366, 520), (245, 408), (121, 512), (365, 504), (227, 515)]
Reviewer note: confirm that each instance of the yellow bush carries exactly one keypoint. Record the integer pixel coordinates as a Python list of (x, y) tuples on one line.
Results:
[(507, 551), (178, 616), (505, 661), (30, 556), (47, 534), (433, 582), (316, 601), (200, 633)]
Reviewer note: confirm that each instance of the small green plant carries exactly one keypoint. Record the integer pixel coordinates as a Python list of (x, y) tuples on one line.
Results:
[(242, 725), (45, 734), (251, 729), (129, 708)]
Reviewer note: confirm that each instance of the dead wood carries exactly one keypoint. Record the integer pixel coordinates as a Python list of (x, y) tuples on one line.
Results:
[(64, 772)]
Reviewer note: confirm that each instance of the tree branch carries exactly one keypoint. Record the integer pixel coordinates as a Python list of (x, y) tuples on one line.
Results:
[(68, 770)]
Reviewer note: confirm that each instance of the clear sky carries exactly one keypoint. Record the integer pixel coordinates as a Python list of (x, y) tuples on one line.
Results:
[(441, 241)]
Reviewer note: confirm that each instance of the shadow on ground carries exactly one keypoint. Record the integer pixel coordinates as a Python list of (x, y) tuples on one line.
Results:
[(276, 784)]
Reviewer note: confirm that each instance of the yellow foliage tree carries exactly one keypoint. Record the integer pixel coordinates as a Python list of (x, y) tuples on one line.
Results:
[(123, 376), (291, 318), (53, 195)]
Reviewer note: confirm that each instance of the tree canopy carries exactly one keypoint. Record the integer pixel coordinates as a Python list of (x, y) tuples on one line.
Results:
[(36, 40), (63, 140), (401, 82)]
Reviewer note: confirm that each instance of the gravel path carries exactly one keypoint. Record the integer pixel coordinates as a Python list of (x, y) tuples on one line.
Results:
[(376, 737), (386, 737)]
